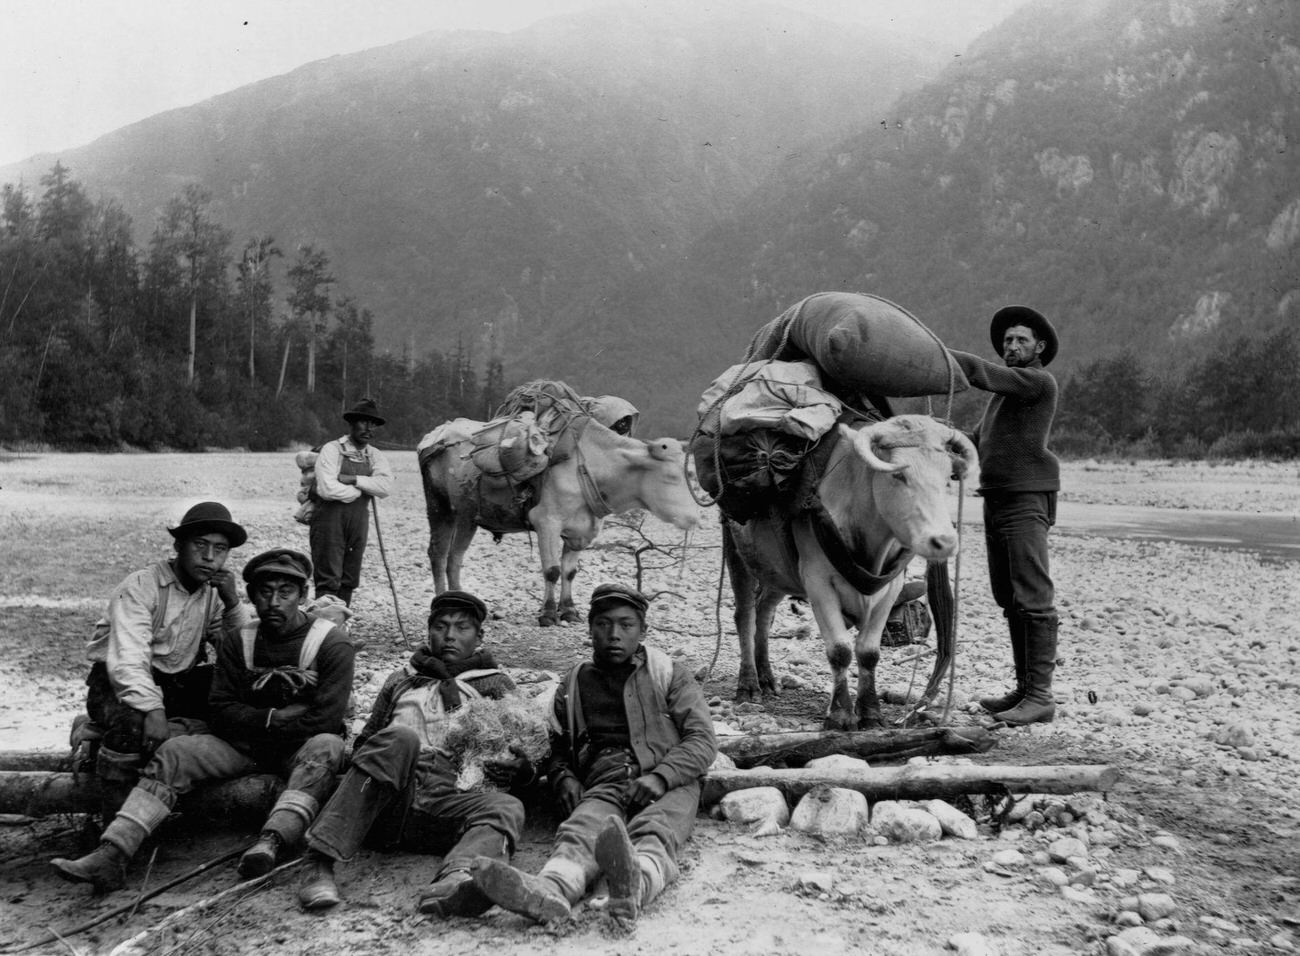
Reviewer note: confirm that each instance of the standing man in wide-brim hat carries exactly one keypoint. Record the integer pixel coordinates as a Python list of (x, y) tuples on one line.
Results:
[(349, 472), (1019, 481), (151, 654)]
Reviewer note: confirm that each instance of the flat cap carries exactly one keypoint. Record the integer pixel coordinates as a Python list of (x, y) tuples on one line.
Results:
[(284, 562), (605, 594), (458, 601)]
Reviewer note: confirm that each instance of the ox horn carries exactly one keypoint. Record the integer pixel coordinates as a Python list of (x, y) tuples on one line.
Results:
[(867, 439), (965, 458)]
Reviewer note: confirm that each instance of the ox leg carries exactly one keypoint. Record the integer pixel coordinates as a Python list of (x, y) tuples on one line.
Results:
[(568, 571), (744, 589), (874, 614), (462, 535), (839, 654), (768, 601), (550, 547)]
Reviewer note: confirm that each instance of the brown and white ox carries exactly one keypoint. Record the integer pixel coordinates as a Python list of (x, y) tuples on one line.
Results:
[(880, 500), (594, 472)]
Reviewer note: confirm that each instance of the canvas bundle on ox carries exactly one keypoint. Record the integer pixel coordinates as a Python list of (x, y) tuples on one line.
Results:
[(591, 473), (876, 499)]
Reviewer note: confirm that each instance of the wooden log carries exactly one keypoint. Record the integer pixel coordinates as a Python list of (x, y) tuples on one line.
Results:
[(53, 761), (917, 782), (40, 793), (797, 748)]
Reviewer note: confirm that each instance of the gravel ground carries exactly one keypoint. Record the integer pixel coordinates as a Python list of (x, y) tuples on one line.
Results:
[(1178, 667)]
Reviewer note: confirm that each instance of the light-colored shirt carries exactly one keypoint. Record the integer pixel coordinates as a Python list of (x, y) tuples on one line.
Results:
[(421, 709), (328, 487), (153, 622)]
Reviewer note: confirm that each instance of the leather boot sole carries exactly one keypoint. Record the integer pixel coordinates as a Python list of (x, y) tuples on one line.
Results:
[(258, 860), (616, 857), (454, 896), (518, 892)]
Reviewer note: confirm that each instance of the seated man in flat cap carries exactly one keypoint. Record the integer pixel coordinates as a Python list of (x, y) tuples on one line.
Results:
[(401, 787), (278, 700), (150, 671), (613, 761)]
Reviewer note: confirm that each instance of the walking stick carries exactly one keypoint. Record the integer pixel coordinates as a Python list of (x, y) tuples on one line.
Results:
[(383, 554)]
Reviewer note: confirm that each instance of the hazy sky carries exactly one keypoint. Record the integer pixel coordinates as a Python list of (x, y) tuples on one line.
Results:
[(72, 70)]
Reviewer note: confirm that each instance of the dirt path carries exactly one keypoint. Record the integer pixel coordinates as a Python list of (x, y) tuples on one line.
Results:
[(1178, 666)]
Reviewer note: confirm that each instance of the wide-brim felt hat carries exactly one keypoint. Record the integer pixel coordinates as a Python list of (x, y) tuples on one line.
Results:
[(458, 601), (366, 408), (209, 516), (606, 594), (280, 562), (1011, 315)]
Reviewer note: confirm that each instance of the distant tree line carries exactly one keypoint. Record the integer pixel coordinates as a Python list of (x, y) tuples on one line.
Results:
[(1240, 401), (192, 342)]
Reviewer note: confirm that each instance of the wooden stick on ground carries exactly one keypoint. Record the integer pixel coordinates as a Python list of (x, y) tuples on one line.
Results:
[(798, 747), (140, 944), (917, 782), (51, 935)]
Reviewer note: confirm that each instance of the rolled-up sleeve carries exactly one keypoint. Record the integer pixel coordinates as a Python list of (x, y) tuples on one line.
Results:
[(129, 658), (328, 485)]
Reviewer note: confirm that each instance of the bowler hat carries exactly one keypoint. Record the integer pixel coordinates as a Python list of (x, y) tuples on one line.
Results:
[(606, 594), (209, 516), (458, 601), (1011, 315), (366, 408), (282, 562)]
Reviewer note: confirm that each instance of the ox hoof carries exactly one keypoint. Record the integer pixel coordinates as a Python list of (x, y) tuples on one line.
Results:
[(747, 694), (839, 722), (872, 722), (548, 619), (570, 616)]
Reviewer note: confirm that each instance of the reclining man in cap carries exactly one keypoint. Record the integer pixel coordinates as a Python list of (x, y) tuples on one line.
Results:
[(631, 738), (1019, 480), (401, 787), (150, 672), (278, 700)]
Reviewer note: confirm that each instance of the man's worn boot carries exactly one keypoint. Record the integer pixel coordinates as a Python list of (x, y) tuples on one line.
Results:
[(1038, 706), (994, 705), (518, 892), (260, 858), (282, 833), (105, 867), (616, 857), (319, 890), (453, 894)]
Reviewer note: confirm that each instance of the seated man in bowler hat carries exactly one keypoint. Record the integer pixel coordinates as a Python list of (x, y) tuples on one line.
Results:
[(349, 472), (401, 788), (278, 699), (631, 738), (1019, 481), (150, 664)]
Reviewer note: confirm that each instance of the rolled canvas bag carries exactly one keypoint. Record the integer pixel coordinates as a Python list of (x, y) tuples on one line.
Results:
[(514, 448)]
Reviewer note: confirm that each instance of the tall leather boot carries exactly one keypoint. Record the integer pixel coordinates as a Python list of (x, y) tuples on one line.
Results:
[(105, 867), (1038, 706), (994, 705)]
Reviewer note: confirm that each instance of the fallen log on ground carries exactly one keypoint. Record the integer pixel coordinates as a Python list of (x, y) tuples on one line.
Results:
[(797, 748), (920, 782), (50, 760), (39, 793)]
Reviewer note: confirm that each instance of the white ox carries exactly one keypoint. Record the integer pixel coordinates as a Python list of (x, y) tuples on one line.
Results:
[(594, 472), (880, 500)]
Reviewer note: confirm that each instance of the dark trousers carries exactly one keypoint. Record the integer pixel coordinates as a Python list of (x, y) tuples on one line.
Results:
[(1015, 534), (395, 797), (185, 700), (339, 531)]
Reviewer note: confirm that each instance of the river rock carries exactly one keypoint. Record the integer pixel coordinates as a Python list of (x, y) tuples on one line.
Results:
[(762, 807), (1142, 941), (1154, 906), (831, 811), (1063, 849), (953, 821), (971, 944), (835, 763), (902, 823)]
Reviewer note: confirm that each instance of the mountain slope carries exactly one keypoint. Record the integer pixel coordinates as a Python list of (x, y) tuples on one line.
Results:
[(1127, 166)]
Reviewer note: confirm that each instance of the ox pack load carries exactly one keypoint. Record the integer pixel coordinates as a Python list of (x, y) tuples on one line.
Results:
[(830, 355)]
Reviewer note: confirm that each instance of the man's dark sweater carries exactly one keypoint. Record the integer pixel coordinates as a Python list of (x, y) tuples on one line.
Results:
[(1012, 435), (239, 710)]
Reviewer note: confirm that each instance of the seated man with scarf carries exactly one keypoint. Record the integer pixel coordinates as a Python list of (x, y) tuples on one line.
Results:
[(278, 699), (401, 787)]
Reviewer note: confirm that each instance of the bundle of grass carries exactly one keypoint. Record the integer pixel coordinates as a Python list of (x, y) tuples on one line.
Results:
[(484, 730)]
